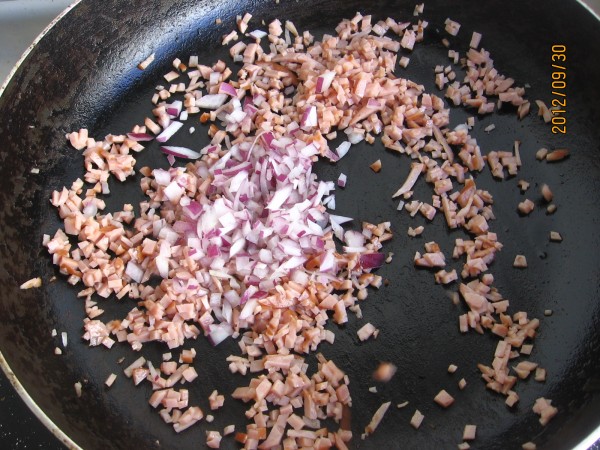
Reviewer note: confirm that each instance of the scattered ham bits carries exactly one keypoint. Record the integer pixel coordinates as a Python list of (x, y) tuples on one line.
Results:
[(526, 206), (377, 417), (78, 388), (520, 262), (376, 166), (265, 264), (33, 283), (384, 372), (523, 185), (475, 40), (213, 439), (110, 380), (540, 375), (546, 193), (146, 62), (541, 154), (469, 432), (557, 155), (414, 232), (545, 410), (444, 399), (452, 27), (366, 331), (417, 419)]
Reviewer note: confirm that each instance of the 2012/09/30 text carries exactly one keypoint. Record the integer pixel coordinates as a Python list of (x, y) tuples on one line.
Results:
[(559, 89)]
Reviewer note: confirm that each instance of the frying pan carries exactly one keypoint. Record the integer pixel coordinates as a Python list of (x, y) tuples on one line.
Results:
[(83, 74)]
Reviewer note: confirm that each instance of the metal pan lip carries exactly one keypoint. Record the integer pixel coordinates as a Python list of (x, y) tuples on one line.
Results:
[(34, 407), (19, 388), (34, 43), (585, 444)]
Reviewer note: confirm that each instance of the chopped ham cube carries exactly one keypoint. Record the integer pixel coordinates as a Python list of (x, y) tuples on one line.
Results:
[(377, 417), (146, 62), (366, 331), (444, 399), (376, 166), (213, 439), (555, 236), (545, 410), (520, 262), (33, 283), (110, 380), (384, 372), (469, 432), (417, 419)]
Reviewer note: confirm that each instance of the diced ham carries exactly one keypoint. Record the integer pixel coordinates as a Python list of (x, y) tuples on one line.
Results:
[(545, 410), (444, 399), (417, 419)]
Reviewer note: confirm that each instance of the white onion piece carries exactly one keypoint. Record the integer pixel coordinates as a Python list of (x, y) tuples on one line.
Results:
[(162, 265), (214, 78), (134, 271), (339, 219), (181, 152), (248, 309), (328, 262), (90, 210), (257, 34), (343, 148), (236, 116), (140, 137), (324, 81), (218, 333), (355, 138), (280, 197), (228, 89), (354, 238), (162, 177), (309, 118), (168, 132), (174, 192), (174, 109), (211, 101)]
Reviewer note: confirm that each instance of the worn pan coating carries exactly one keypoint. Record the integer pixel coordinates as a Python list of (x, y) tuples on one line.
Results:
[(83, 74)]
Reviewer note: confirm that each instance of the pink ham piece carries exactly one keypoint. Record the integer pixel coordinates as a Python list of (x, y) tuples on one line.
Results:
[(444, 399), (543, 407), (377, 417), (412, 178)]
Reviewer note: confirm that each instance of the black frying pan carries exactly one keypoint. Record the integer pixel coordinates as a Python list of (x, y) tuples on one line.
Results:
[(83, 73)]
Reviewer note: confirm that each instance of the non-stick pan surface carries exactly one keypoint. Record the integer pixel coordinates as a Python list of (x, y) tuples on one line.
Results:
[(83, 74)]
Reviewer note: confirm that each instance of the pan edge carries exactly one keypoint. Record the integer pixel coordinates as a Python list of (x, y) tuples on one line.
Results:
[(10, 375), (33, 406), (34, 43)]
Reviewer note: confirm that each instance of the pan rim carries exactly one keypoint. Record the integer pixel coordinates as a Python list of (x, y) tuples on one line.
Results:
[(35, 408), (584, 444), (12, 377)]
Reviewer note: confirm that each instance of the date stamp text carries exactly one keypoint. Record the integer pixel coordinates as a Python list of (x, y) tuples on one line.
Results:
[(559, 89)]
